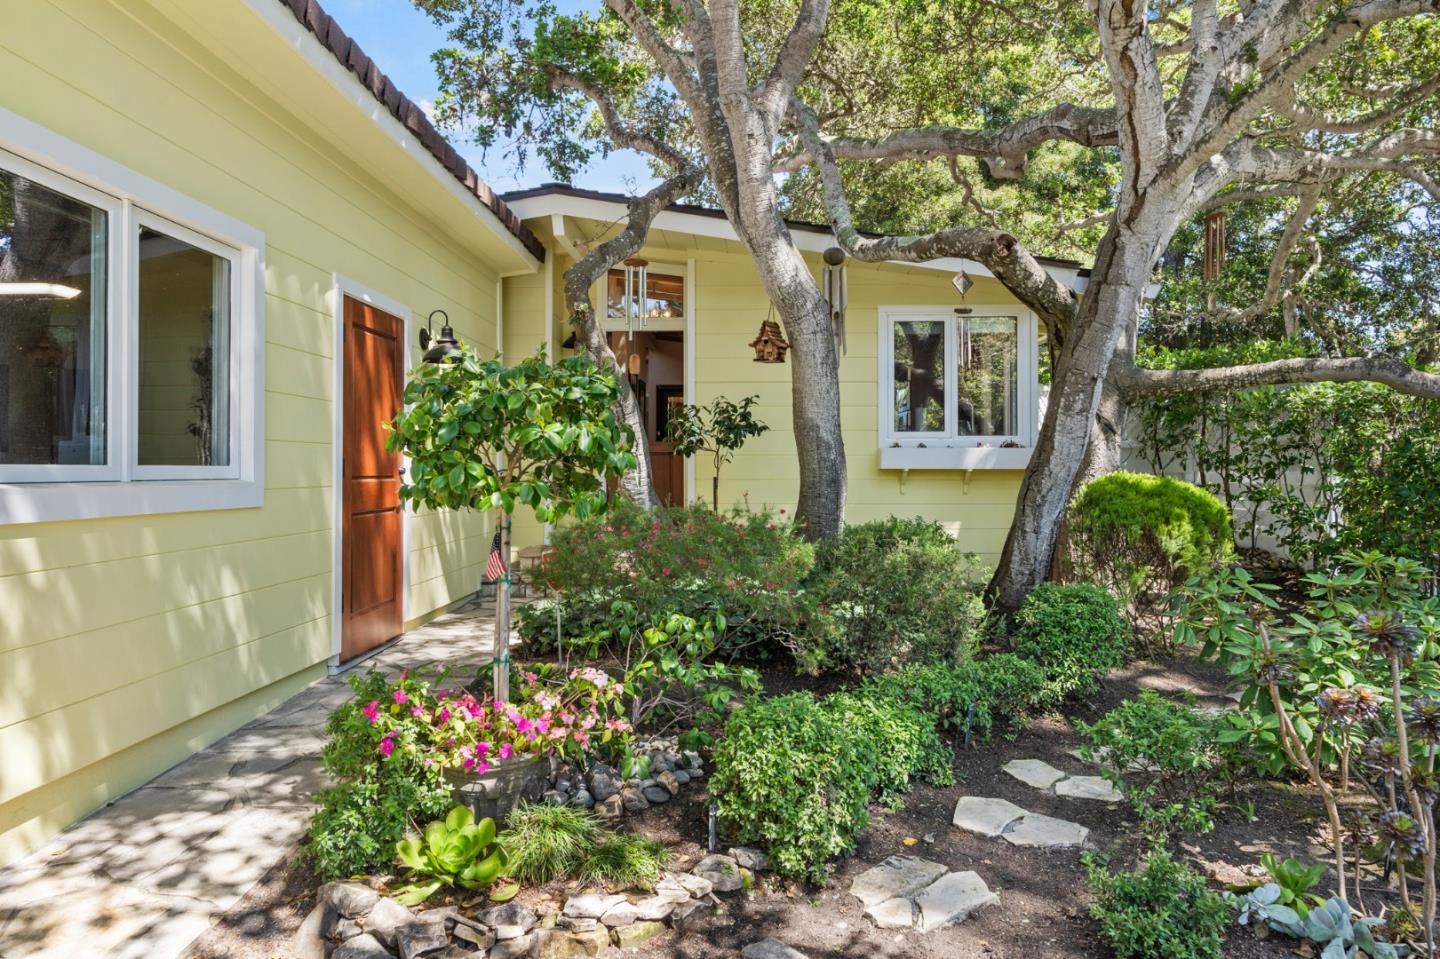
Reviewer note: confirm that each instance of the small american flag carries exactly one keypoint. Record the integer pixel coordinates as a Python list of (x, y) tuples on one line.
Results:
[(495, 568)]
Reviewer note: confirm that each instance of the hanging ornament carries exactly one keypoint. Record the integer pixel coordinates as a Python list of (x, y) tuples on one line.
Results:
[(769, 345), (1214, 245), (836, 284), (633, 299), (962, 283)]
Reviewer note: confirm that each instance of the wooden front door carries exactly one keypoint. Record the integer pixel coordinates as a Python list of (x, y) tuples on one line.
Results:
[(371, 578)]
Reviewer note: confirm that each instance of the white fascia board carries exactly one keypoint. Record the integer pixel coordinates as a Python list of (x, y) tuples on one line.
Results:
[(302, 41), (719, 228)]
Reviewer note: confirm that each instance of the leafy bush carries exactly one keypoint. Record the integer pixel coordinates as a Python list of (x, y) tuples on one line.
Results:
[(749, 565), (1141, 536), (898, 591), (1075, 631), (796, 773), (454, 851), (1168, 757), (1160, 911), (999, 687)]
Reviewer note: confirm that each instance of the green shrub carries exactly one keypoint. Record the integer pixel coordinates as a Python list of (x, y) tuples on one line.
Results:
[(627, 860), (1001, 686), (1169, 758), (1161, 911), (378, 797), (796, 774), (897, 591), (1075, 631), (749, 565), (1141, 536)]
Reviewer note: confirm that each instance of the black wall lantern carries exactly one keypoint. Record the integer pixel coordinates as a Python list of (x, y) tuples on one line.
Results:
[(446, 348)]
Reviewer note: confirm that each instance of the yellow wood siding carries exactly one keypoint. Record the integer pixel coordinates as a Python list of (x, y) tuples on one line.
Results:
[(127, 643)]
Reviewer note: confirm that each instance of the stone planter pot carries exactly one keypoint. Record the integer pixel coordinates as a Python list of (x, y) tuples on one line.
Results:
[(497, 791)]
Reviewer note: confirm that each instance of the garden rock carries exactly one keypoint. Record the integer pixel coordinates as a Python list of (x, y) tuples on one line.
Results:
[(583, 798), (512, 948), (693, 883), (509, 921), (950, 899), (770, 949), (898, 876), (656, 794), (604, 782), (480, 939), (555, 797), (1089, 787), (591, 905), (345, 929), (386, 918), (655, 908), (609, 808), (672, 891), (988, 817), (722, 871), (418, 938), (350, 899), (687, 914), (750, 858), (361, 947), (637, 933), (566, 945), (898, 913), (620, 914), (1046, 832), (681, 776), (669, 782), (1034, 772), (633, 799), (309, 940)]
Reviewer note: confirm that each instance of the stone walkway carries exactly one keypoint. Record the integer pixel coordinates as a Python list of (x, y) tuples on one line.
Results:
[(147, 874)]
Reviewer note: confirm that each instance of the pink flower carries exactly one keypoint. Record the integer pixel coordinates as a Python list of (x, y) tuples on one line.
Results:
[(386, 746), (665, 571), (400, 697), (506, 751), (703, 562), (443, 716), (372, 711), (416, 711)]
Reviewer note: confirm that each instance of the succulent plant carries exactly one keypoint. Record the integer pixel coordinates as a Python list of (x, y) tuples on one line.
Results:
[(1389, 635), (1423, 719), (455, 851), (1263, 904), (1343, 937), (1404, 831)]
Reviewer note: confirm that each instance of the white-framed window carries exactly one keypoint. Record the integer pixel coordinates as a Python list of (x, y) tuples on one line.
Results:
[(131, 340), (955, 378)]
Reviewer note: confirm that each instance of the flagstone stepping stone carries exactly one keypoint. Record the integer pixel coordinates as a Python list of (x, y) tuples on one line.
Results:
[(1034, 772), (1045, 832), (897, 913), (988, 817), (951, 899), (898, 876), (1089, 787), (770, 949)]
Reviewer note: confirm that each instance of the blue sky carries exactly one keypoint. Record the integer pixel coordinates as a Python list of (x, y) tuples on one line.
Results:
[(400, 39)]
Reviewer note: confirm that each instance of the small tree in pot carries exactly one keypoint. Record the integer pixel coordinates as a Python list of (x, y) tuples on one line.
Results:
[(719, 429), (483, 435)]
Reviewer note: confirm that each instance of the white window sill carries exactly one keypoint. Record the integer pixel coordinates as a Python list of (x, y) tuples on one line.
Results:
[(954, 458), (52, 502)]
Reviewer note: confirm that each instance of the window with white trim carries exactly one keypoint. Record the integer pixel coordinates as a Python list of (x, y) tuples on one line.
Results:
[(130, 331), (957, 377)]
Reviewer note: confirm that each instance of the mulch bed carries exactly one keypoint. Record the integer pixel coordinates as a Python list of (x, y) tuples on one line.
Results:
[(1044, 903)]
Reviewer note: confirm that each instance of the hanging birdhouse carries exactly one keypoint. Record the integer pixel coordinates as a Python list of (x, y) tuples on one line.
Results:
[(770, 345)]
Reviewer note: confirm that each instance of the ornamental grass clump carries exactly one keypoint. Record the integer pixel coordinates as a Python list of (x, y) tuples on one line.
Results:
[(545, 842)]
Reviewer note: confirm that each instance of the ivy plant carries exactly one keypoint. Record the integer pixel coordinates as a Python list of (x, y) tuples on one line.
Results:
[(483, 435)]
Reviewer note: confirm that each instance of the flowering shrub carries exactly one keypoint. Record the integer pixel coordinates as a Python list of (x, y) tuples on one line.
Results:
[(390, 747), (749, 564)]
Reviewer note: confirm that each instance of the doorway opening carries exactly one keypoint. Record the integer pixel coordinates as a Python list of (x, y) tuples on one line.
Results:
[(654, 362)]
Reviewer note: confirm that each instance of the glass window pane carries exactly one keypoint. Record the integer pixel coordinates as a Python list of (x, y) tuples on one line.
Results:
[(919, 382), (986, 375), (184, 354), (52, 326), (664, 296)]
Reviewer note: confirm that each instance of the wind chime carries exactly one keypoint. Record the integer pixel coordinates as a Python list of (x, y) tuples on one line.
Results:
[(1214, 253), (632, 300), (836, 284)]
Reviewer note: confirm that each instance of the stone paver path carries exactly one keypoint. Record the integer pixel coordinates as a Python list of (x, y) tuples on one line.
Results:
[(147, 874), (999, 818), (1042, 775), (906, 892)]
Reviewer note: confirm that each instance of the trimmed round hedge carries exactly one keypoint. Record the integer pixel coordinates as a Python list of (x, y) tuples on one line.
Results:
[(1074, 631)]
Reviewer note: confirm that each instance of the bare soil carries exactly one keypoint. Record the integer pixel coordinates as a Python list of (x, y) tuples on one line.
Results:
[(1044, 902)]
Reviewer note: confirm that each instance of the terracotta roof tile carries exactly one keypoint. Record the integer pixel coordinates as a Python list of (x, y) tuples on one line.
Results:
[(314, 18)]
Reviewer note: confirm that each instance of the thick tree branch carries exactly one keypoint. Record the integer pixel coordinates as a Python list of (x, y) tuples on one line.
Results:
[(1401, 377), (1000, 252), (1309, 199), (665, 56), (793, 58), (620, 134)]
